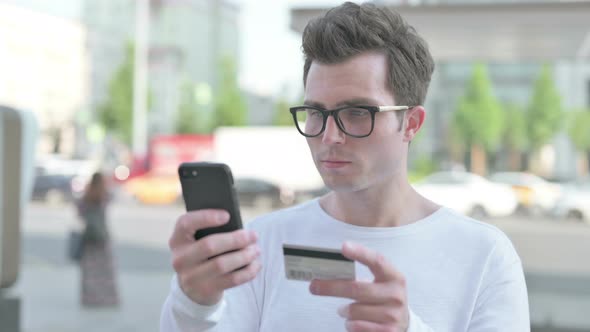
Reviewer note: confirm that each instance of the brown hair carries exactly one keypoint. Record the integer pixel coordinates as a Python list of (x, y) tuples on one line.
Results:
[(351, 29), (96, 192)]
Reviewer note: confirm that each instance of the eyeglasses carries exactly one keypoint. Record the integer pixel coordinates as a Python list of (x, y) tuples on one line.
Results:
[(355, 121)]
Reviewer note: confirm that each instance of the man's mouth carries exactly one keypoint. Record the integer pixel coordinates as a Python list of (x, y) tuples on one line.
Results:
[(334, 163)]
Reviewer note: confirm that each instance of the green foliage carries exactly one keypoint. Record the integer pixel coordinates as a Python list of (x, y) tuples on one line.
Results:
[(423, 132), (230, 107), (190, 119), (479, 119), (515, 131), (544, 113), (116, 114), (282, 116), (422, 167), (579, 130)]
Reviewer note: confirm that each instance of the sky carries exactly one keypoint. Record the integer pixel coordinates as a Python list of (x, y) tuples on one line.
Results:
[(271, 61)]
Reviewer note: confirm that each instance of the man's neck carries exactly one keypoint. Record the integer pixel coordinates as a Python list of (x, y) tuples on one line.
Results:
[(395, 204)]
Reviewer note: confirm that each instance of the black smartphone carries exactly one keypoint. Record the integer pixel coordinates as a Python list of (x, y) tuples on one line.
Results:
[(210, 186)]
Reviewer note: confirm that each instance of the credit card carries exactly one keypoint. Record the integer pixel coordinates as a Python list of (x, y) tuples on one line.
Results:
[(306, 263)]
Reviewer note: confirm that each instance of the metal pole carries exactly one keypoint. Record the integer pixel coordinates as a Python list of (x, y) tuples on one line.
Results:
[(215, 42), (140, 76)]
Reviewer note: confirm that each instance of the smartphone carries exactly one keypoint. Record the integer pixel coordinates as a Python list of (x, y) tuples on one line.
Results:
[(210, 186)]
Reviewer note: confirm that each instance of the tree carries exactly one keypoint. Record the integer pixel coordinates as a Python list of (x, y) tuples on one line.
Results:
[(230, 108), (116, 114), (478, 121), (282, 116), (579, 133), (515, 135), (190, 119), (544, 113)]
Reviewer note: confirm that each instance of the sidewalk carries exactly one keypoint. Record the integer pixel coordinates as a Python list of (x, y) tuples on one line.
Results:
[(50, 301), (49, 288)]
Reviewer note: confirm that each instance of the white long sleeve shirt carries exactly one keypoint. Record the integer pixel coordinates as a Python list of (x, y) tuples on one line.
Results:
[(462, 275)]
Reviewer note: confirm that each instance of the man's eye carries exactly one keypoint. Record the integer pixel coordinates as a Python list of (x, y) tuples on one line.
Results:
[(357, 112), (315, 113)]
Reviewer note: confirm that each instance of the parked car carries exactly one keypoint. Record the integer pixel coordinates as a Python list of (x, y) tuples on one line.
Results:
[(54, 188), (59, 180), (469, 194), (574, 203), (305, 195), (255, 192), (535, 195), (154, 189)]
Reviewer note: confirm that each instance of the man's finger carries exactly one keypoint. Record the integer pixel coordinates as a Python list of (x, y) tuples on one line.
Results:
[(232, 261), (238, 277), (379, 266), (190, 222), (214, 248), (364, 326), (360, 291), (211, 246), (372, 313)]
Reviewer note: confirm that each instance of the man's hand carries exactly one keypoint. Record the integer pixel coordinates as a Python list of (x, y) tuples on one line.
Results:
[(380, 305), (203, 272)]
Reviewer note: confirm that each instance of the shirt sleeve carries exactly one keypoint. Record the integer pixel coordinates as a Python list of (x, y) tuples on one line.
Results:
[(180, 313), (237, 311), (502, 303)]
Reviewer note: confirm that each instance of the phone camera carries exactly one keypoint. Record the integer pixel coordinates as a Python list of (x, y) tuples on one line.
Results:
[(194, 173)]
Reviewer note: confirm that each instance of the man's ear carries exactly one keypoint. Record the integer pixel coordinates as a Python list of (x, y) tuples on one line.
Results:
[(414, 120)]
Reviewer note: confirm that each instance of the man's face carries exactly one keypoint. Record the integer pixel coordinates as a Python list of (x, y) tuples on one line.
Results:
[(347, 163)]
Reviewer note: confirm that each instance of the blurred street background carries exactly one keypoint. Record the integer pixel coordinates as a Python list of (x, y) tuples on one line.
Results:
[(553, 252), (135, 87)]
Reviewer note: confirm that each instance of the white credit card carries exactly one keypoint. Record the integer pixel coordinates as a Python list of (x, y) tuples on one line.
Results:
[(307, 263)]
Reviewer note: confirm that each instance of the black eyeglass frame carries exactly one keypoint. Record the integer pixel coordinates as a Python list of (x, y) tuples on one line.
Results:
[(334, 113)]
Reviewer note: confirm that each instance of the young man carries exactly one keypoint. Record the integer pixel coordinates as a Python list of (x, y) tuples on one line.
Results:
[(420, 267)]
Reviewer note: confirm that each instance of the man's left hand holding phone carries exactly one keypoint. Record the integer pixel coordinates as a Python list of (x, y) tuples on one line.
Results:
[(210, 250)]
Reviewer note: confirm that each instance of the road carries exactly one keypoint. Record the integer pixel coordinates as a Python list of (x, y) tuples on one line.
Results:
[(552, 246), (48, 284), (545, 245), (548, 248)]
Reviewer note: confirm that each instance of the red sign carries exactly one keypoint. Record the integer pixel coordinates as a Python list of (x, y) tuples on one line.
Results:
[(167, 152)]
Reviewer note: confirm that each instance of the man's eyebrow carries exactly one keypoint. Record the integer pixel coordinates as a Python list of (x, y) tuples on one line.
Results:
[(348, 102), (314, 104), (358, 101)]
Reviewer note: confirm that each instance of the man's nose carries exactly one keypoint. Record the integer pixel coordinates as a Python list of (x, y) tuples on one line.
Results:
[(332, 134)]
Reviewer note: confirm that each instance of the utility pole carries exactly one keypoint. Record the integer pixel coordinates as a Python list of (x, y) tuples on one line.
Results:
[(140, 76), (215, 42)]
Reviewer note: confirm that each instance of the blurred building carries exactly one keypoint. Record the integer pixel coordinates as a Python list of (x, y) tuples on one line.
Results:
[(186, 40), (110, 25), (44, 64), (261, 109), (515, 38)]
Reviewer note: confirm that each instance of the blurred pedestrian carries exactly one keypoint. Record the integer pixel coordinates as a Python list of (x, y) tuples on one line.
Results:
[(98, 282)]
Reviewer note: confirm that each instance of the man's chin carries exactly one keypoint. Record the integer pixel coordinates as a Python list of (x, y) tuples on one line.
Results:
[(340, 186)]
